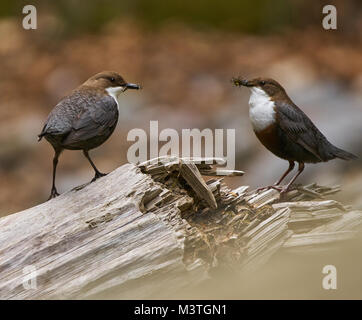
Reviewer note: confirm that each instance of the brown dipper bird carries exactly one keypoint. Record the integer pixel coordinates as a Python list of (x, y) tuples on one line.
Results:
[(85, 118), (285, 130)]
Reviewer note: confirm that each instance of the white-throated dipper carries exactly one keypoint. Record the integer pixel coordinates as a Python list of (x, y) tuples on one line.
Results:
[(286, 130), (85, 118)]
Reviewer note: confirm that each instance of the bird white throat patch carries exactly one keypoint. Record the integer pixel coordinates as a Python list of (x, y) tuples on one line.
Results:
[(261, 111), (114, 92)]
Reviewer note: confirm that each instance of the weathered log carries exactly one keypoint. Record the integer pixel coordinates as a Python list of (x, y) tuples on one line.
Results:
[(141, 228)]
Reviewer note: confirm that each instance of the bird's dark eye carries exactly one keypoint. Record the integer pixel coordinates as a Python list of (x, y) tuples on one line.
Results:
[(112, 79), (262, 82)]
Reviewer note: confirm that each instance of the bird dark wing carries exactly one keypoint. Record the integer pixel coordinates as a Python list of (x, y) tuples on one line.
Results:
[(60, 119), (97, 115), (300, 129)]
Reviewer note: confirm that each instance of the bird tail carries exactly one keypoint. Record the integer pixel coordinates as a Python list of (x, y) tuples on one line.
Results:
[(42, 133), (341, 154)]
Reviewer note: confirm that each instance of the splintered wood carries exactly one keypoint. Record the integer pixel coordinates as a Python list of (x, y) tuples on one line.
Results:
[(246, 228), (131, 233)]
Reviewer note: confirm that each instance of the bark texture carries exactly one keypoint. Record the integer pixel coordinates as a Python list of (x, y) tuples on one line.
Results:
[(159, 225)]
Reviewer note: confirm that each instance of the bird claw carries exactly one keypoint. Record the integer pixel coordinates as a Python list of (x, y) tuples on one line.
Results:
[(53, 194), (275, 187), (281, 189), (98, 175)]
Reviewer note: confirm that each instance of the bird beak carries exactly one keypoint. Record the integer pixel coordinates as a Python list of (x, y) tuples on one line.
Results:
[(245, 83), (133, 86), (241, 82)]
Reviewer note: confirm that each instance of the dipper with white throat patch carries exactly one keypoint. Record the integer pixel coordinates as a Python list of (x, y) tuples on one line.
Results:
[(285, 130), (85, 118)]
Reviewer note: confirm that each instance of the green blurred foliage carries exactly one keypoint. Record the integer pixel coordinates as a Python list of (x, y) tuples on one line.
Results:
[(249, 16), (258, 16), (237, 15)]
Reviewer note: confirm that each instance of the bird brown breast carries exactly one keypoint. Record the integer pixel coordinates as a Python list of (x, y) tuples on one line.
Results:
[(270, 139)]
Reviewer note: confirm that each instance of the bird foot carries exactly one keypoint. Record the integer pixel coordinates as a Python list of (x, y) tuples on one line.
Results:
[(286, 189), (274, 186), (98, 175), (281, 189), (54, 193)]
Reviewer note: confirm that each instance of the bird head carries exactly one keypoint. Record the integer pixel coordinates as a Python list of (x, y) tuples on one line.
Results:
[(110, 81), (266, 85)]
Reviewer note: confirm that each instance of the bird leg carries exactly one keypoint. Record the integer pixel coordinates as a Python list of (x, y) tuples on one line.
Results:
[(98, 174), (290, 168), (276, 184), (54, 193), (300, 170)]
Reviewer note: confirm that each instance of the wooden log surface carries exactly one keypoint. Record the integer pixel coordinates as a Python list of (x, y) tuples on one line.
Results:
[(138, 229)]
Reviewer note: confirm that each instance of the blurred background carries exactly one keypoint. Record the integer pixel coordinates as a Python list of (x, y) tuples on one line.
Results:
[(184, 54)]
